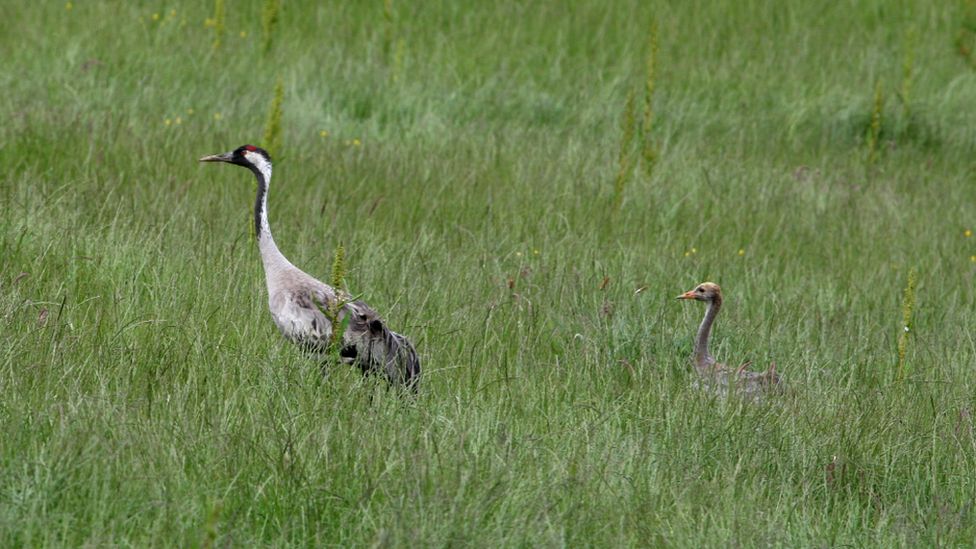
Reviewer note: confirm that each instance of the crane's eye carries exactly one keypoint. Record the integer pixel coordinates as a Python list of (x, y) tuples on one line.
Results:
[(700, 290)]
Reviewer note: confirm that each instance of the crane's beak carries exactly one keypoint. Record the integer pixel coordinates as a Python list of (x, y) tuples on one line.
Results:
[(690, 294), (217, 157)]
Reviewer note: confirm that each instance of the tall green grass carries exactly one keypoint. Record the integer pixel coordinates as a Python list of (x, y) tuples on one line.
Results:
[(147, 398)]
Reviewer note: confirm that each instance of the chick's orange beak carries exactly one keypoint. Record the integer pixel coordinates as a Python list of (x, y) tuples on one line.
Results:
[(690, 294)]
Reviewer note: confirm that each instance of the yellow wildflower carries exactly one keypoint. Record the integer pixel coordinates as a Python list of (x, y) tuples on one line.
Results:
[(356, 142), (68, 6), (742, 251), (189, 111), (179, 120), (243, 34), (323, 133), (217, 116), (155, 17), (967, 233), (167, 122)]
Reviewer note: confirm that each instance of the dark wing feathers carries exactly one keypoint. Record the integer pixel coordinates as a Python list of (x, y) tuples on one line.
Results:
[(369, 342)]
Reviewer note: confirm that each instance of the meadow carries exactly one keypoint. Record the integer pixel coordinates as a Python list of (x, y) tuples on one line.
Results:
[(523, 188)]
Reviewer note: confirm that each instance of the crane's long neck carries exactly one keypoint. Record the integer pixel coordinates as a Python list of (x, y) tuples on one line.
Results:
[(702, 356), (271, 256)]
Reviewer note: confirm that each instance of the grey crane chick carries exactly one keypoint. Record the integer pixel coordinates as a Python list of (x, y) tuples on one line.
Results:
[(300, 304), (721, 378)]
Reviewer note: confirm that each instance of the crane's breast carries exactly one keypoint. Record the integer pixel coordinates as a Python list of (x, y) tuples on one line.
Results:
[(300, 319)]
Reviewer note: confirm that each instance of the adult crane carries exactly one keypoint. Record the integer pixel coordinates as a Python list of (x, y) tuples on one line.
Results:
[(307, 311)]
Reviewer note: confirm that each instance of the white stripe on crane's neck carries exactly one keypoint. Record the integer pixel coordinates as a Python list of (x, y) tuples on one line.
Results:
[(272, 258), (262, 170)]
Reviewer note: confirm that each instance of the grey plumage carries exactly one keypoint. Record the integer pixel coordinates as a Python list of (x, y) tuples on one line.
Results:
[(376, 348), (303, 308)]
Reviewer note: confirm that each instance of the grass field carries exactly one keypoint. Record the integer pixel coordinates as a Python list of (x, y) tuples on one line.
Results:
[(467, 154)]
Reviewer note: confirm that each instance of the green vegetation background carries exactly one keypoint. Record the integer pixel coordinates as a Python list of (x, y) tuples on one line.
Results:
[(466, 155)]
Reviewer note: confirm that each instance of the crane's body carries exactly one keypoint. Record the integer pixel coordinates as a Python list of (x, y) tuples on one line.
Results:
[(306, 310)]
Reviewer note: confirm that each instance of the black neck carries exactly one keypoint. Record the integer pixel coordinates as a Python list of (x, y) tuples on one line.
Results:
[(259, 201)]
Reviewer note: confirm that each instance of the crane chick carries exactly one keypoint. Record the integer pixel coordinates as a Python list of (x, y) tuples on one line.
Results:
[(715, 375)]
